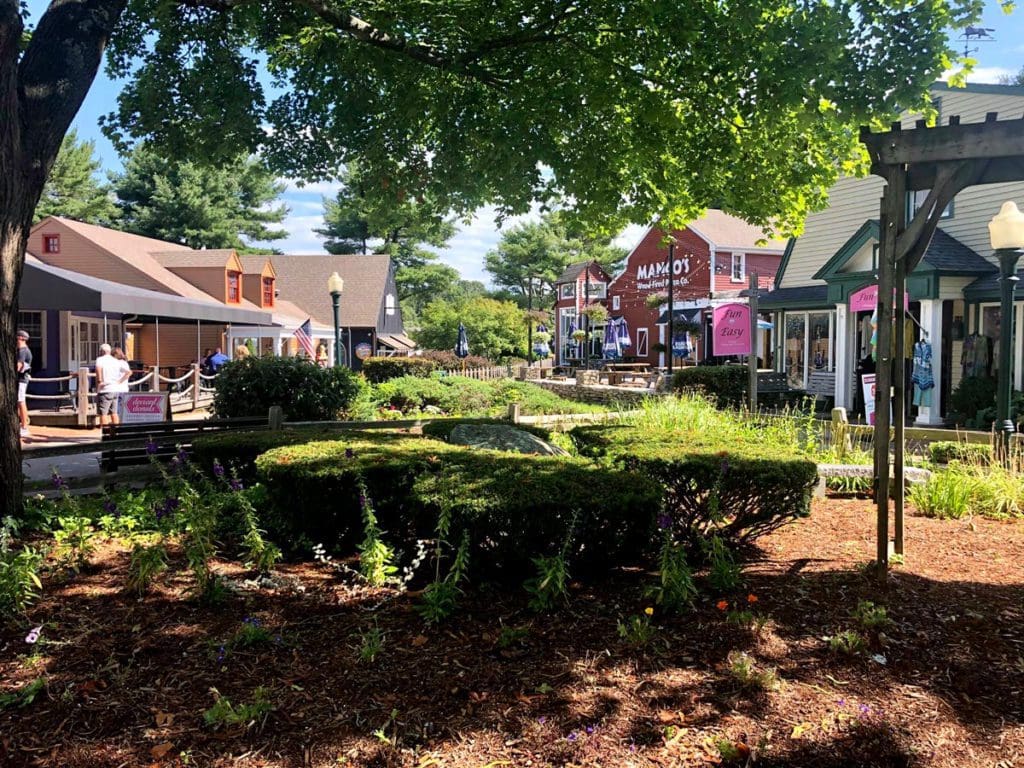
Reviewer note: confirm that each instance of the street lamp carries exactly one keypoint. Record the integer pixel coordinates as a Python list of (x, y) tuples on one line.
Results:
[(1007, 233), (335, 285)]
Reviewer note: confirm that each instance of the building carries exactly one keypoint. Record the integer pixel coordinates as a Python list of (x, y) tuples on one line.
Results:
[(823, 325), (578, 286), (714, 258)]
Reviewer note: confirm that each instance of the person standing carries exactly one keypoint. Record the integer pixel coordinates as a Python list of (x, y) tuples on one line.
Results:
[(109, 375), (24, 369), (126, 375), (217, 360)]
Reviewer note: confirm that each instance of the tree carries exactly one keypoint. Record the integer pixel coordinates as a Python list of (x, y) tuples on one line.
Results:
[(200, 206), (1017, 79), (73, 190), (540, 251), (495, 329), (360, 217), (633, 110)]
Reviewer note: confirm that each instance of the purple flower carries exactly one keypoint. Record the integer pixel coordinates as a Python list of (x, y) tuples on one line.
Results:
[(220, 654), (110, 507), (590, 729), (664, 522), (58, 481), (182, 455), (252, 621), (168, 507), (542, 719), (151, 447), (349, 453), (33, 635), (235, 483), (572, 736), (864, 709), (218, 468), (841, 702)]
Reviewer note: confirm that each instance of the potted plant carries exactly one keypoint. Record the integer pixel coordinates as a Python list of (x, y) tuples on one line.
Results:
[(596, 313), (541, 337), (655, 300), (579, 334), (658, 347)]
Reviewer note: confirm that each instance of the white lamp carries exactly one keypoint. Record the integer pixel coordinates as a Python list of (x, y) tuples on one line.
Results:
[(336, 285), (1007, 227)]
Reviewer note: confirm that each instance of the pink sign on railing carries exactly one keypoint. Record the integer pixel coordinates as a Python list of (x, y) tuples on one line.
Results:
[(866, 299), (730, 328)]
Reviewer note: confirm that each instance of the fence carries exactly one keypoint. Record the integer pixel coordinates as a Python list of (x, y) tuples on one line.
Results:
[(480, 374)]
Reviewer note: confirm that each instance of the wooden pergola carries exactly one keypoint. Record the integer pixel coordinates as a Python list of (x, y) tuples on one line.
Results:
[(944, 161)]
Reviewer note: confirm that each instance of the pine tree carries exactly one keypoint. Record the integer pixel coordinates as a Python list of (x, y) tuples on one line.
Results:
[(73, 189)]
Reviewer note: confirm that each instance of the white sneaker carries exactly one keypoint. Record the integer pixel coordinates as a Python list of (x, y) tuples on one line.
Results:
[(25, 432)]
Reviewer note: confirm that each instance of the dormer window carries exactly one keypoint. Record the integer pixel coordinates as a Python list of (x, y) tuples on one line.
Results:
[(567, 291), (51, 243), (234, 287), (268, 291)]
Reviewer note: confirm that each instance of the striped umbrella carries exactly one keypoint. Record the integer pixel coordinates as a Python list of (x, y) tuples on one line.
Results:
[(462, 343), (610, 348), (624, 340)]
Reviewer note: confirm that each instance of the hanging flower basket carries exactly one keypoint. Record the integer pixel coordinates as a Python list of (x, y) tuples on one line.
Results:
[(655, 300), (541, 337), (579, 335), (595, 312)]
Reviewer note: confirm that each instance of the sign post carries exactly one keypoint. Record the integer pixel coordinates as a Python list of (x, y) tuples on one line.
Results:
[(144, 407), (730, 327), (752, 357)]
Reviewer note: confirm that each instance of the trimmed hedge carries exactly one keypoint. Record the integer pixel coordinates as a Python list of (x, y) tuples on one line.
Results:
[(728, 384), (713, 484), (305, 390), (513, 507), (441, 429), (947, 451), (378, 369), (238, 450)]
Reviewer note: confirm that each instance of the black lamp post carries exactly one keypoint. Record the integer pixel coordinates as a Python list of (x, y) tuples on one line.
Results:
[(1007, 233), (335, 285)]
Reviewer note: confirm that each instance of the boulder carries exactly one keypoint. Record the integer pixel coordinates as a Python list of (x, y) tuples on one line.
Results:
[(498, 437)]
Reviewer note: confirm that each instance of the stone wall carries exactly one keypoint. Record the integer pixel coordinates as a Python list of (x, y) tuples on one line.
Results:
[(599, 395)]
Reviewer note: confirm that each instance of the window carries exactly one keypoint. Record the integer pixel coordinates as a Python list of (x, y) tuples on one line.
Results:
[(566, 325), (233, 293), (738, 267), (641, 342), (809, 345), (268, 291), (567, 291), (596, 290), (34, 323), (389, 304), (51, 243), (916, 199), (616, 303)]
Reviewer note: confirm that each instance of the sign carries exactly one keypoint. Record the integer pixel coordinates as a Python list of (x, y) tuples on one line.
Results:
[(867, 382), (363, 350), (143, 407), (651, 277), (866, 299), (730, 330)]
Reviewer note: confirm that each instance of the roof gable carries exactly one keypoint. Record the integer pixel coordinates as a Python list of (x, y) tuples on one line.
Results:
[(302, 281)]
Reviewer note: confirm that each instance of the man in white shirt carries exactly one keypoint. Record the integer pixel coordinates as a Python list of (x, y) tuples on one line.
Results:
[(109, 376)]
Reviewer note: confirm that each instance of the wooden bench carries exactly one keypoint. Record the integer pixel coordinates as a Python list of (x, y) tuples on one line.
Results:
[(912, 475), (822, 385), (128, 445)]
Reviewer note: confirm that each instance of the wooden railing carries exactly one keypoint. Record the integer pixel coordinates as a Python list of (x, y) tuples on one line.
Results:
[(481, 374)]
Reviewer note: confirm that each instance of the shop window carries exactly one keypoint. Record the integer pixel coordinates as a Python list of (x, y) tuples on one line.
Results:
[(51, 243), (268, 291), (595, 290), (796, 350), (738, 267), (567, 291), (234, 296)]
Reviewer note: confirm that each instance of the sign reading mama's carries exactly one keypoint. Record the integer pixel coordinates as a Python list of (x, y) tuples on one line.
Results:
[(730, 329), (143, 407), (651, 277)]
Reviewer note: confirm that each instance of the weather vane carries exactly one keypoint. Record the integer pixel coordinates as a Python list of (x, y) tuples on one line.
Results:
[(975, 35)]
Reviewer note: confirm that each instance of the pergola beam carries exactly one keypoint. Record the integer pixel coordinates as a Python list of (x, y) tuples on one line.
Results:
[(973, 141)]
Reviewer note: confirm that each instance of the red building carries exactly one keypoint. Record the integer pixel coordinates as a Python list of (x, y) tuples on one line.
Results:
[(713, 260)]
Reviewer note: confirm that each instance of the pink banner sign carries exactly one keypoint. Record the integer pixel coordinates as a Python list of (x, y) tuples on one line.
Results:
[(730, 327), (140, 407), (866, 299)]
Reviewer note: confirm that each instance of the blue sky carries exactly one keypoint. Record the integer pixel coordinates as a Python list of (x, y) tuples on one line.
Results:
[(465, 252)]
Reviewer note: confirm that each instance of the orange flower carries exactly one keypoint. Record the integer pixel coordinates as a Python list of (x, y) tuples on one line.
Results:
[(722, 605), (751, 598)]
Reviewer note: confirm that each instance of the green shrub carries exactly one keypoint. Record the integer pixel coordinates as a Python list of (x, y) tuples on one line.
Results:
[(448, 360), (238, 450), (306, 391), (378, 369), (728, 384), (714, 484), (513, 507), (971, 395), (947, 451), (411, 393)]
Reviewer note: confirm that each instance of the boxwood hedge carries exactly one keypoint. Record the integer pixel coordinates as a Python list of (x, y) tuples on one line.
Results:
[(736, 489), (946, 451), (513, 507), (378, 369)]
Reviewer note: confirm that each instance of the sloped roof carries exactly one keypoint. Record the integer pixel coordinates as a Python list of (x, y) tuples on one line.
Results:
[(573, 271), (302, 281), (215, 257), (724, 231), (947, 254), (795, 298)]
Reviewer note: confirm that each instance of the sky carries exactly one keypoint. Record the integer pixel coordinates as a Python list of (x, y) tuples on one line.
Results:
[(465, 252)]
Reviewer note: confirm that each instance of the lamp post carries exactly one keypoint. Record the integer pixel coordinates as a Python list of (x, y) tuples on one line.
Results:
[(335, 285), (1007, 233)]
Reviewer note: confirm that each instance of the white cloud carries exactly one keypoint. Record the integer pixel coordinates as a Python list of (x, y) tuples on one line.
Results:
[(983, 74)]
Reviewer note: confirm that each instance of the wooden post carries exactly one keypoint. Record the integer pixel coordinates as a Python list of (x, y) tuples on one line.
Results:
[(899, 404), (155, 385), (752, 357), (841, 432), (83, 397), (196, 381), (513, 412), (275, 417)]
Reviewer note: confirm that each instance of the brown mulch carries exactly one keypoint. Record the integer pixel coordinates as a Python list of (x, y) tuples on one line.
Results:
[(127, 680)]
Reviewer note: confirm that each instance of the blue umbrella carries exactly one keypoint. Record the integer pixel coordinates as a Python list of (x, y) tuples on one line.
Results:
[(681, 345), (624, 340), (462, 344), (610, 348)]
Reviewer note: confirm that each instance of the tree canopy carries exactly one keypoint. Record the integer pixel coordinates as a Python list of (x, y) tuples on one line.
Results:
[(199, 205), (541, 250), (73, 189), (495, 329)]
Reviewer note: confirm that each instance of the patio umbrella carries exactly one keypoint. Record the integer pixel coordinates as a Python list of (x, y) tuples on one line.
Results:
[(624, 340), (681, 345), (610, 347), (462, 343)]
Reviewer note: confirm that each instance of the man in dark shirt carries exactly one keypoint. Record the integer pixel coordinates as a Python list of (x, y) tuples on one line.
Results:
[(24, 358)]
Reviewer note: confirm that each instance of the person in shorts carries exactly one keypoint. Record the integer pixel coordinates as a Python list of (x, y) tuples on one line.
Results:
[(24, 363), (126, 374), (109, 377)]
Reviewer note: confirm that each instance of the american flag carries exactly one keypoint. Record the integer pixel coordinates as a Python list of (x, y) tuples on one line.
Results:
[(304, 333)]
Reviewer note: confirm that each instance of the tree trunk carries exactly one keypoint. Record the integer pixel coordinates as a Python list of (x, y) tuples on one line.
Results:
[(13, 235)]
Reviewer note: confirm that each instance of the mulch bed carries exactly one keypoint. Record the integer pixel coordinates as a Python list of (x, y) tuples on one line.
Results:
[(127, 680)]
